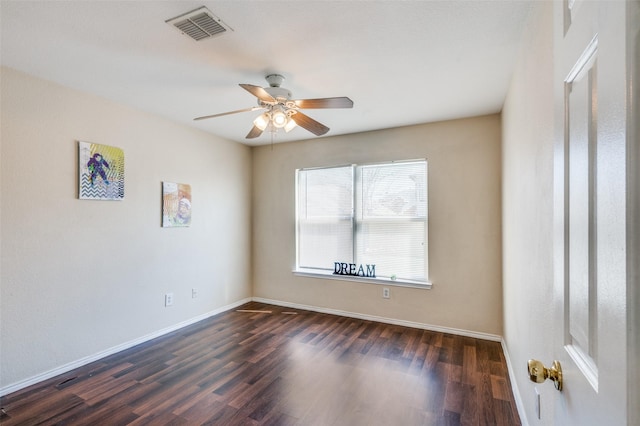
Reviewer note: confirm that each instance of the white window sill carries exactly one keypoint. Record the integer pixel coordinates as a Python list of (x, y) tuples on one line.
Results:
[(426, 285)]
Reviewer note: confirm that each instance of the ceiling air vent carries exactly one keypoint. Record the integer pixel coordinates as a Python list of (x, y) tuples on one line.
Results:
[(199, 24)]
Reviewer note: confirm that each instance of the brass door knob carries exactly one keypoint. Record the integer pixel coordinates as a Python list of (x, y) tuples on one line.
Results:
[(538, 373)]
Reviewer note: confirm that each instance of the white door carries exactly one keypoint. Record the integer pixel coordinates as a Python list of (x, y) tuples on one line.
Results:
[(591, 207)]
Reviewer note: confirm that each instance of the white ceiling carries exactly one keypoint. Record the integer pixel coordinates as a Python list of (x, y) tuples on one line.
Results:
[(401, 62)]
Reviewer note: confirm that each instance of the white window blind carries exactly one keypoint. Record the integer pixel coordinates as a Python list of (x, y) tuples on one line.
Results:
[(368, 214), (325, 217)]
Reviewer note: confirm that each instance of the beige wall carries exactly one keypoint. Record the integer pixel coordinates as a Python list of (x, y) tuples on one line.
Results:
[(80, 277), (464, 224), (527, 168)]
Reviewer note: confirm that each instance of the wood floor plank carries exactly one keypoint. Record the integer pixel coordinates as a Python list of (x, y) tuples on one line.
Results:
[(200, 408), (469, 365), (485, 407), (268, 365), (42, 411)]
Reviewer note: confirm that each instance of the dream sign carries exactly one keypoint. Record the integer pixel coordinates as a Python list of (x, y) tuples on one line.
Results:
[(340, 268)]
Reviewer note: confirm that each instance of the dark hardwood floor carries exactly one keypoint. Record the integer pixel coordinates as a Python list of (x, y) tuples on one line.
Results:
[(284, 367)]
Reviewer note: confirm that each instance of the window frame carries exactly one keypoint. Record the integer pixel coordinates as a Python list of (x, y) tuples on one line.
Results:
[(356, 191)]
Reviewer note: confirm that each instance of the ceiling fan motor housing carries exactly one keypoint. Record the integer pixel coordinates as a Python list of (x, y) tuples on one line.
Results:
[(280, 94)]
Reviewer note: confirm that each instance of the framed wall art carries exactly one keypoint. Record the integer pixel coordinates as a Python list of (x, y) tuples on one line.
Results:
[(101, 172), (176, 204)]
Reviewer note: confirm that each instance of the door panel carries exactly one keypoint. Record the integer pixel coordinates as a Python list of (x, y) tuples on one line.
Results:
[(581, 139), (590, 188)]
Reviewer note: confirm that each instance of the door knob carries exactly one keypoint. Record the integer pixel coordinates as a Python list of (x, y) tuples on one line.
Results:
[(538, 373)]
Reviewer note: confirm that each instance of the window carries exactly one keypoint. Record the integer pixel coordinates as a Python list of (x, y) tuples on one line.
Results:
[(364, 215)]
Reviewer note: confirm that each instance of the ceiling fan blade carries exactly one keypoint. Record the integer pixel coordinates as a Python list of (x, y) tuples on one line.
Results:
[(258, 92), (309, 123), (339, 102), (227, 113), (253, 133)]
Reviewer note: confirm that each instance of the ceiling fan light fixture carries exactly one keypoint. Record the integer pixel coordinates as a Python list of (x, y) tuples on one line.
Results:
[(291, 124), (279, 118), (262, 121)]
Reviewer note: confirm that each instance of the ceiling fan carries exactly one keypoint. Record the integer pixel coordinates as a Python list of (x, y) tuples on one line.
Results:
[(282, 112)]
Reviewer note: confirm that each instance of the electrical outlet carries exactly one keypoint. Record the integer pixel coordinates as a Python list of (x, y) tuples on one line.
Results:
[(194, 293), (168, 299), (386, 293)]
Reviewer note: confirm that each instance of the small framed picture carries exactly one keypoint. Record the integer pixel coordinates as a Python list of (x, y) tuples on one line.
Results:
[(101, 172), (176, 204)]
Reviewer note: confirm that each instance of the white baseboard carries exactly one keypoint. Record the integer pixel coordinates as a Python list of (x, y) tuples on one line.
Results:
[(514, 385), (412, 324), (115, 349)]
